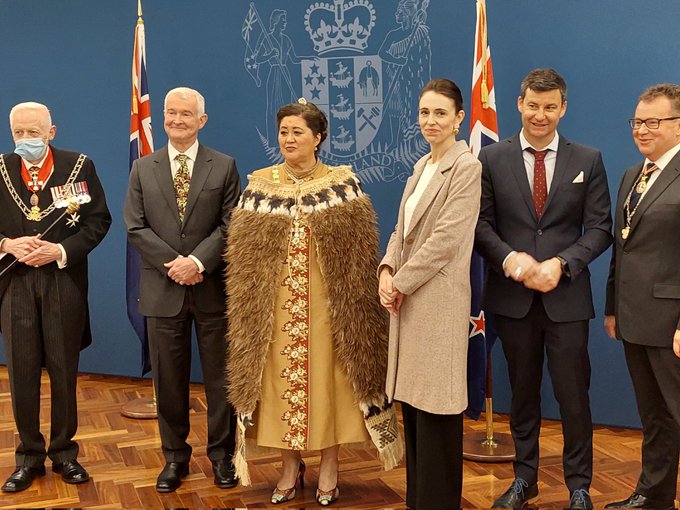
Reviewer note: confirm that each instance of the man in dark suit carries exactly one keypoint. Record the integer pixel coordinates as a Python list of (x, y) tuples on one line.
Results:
[(545, 215), (44, 315), (177, 210), (643, 290)]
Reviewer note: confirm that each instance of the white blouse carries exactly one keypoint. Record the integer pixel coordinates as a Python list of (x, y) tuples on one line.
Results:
[(412, 201)]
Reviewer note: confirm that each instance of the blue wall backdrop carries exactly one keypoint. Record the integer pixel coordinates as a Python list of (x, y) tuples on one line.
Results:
[(75, 56)]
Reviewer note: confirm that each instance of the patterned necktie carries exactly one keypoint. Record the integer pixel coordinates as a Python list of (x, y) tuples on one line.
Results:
[(182, 181), (640, 185), (540, 193)]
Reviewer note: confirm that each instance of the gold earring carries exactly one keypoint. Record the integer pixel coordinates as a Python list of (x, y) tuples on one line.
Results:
[(456, 131)]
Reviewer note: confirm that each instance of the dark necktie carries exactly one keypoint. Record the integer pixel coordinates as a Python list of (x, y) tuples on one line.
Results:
[(182, 181), (540, 193), (640, 185)]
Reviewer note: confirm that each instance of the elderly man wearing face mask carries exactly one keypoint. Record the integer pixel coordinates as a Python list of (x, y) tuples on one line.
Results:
[(44, 317)]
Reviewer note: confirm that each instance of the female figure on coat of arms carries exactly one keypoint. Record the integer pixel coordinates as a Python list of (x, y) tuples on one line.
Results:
[(406, 53), (276, 48)]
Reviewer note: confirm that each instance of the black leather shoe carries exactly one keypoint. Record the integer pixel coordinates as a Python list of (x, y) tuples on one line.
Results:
[(580, 500), (22, 478), (71, 471), (225, 474), (517, 495), (637, 500), (170, 478)]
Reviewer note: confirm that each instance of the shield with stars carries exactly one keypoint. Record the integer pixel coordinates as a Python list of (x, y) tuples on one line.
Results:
[(349, 89)]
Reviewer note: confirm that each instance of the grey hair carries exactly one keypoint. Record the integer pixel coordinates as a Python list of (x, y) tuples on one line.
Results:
[(187, 93), (31, 105)]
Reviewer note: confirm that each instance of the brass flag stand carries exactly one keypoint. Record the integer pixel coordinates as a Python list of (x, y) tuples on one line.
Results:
[(488, 446), (143, 408)]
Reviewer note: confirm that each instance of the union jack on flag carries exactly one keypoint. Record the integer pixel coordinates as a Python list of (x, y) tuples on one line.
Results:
[(253, 34), (483, 120), (483, 131), (141, 139), (141, 144), (249, 23)]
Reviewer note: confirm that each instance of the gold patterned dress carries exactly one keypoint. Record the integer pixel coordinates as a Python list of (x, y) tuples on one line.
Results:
[(307, 402)]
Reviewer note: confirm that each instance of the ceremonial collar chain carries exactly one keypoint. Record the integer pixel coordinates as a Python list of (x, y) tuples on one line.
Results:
[(34, 213), (639, 186)]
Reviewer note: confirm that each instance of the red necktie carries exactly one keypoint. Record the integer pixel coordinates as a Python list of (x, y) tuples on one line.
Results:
[(540, 184)]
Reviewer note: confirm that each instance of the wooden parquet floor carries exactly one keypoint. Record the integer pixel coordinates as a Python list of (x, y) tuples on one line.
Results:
[(123, 457)]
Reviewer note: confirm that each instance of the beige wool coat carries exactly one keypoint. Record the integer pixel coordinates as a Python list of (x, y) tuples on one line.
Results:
[(427, 360)]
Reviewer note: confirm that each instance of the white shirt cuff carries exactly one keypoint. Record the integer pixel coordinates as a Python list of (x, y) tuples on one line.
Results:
[(505, 260), (201, 268), (61, 264)]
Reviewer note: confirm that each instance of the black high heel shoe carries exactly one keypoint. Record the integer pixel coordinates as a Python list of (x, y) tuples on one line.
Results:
[(283, 495)]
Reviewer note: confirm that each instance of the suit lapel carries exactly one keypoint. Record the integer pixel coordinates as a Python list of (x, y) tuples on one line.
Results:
[(202, 168), (519, 170), (163, 174), (564, 151), (668, 175), (409, 188)]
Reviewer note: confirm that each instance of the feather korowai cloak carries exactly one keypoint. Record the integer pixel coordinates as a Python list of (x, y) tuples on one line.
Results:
[(343, 223)]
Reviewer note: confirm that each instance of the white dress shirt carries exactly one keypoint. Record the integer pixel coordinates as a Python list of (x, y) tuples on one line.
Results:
[(529, 159), (191, 154), (662, 162)]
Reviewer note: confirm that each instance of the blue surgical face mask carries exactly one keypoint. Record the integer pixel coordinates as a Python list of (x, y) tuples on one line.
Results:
[(30, 149)]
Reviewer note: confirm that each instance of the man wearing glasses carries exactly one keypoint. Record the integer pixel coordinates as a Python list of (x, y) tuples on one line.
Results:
[(643, 290)]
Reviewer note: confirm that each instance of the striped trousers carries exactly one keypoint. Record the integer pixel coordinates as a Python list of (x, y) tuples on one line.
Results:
[(43, 319)]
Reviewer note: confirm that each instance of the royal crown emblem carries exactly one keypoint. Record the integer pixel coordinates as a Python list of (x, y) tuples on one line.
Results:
[(341, 25)]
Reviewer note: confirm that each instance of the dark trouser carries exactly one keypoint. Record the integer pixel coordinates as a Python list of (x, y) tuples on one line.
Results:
[(170, 350), (655, 372), (566, 346), (434, 459), (43, 319)]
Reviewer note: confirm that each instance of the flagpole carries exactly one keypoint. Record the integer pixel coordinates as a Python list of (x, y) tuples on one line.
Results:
[(486, 445), (141, 407)]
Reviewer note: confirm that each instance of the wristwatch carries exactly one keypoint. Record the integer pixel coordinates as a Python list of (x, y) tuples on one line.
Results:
[(565, 266)]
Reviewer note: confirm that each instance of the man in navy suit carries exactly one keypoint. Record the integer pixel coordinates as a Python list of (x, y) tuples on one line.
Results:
[(177, 212), (545, 215), (643, 291)]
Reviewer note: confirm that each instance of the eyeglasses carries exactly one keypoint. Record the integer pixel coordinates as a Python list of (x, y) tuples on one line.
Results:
[(650, 123)]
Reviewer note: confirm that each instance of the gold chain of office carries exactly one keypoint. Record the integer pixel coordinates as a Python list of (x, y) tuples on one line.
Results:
[(30, 215)]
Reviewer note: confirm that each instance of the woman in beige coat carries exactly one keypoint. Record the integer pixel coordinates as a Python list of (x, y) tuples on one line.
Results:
[(425, 285)]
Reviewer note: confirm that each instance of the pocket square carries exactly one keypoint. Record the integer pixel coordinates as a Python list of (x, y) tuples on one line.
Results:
[(578, 178)]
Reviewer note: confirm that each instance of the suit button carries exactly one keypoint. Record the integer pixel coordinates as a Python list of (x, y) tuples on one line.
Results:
[(183, 236), (539, 232), (409, 240)]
